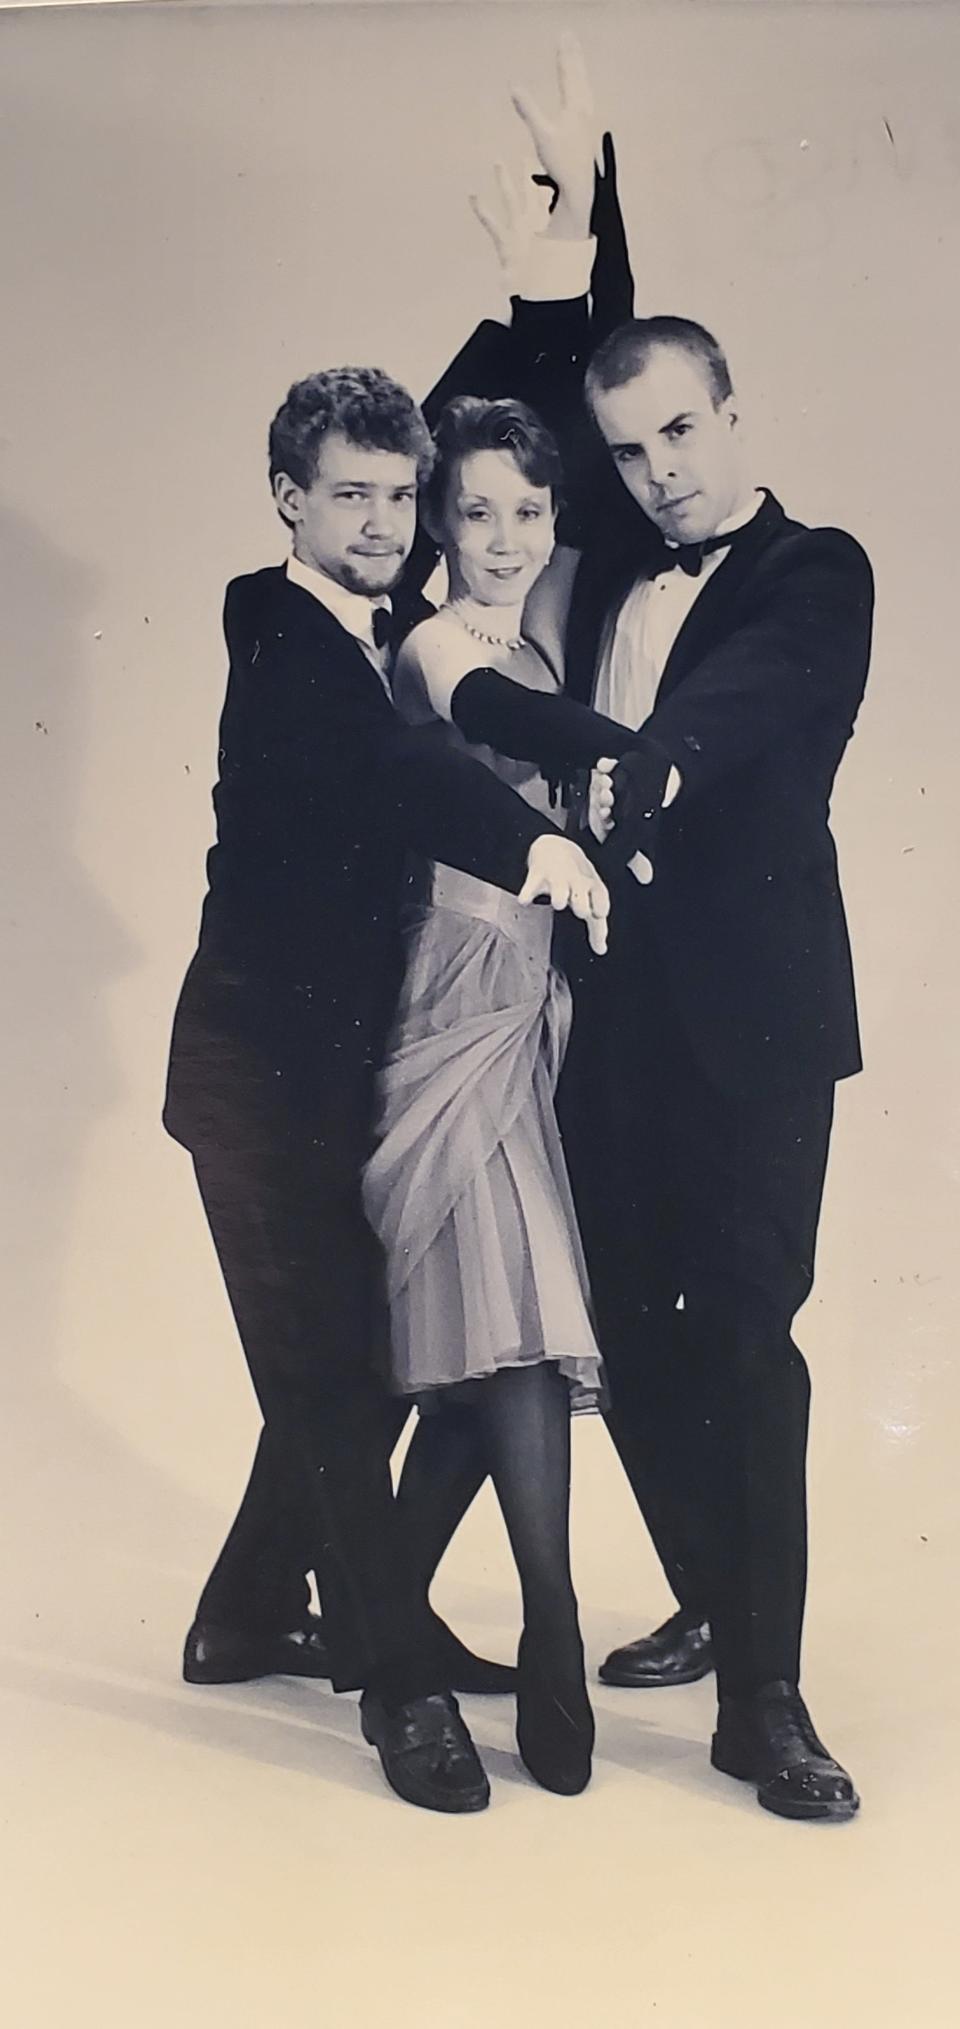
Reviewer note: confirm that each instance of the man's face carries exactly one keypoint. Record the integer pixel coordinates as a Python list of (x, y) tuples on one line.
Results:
[(677, 453), (357, 520)]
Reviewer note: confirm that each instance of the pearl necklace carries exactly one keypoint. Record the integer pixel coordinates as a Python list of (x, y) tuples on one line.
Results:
[(489, 640)]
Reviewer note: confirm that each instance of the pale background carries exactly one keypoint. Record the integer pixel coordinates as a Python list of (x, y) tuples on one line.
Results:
[(199, 206)]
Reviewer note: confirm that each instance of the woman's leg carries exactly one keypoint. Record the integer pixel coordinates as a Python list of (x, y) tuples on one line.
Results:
[(445, 1466), (526, 1419)]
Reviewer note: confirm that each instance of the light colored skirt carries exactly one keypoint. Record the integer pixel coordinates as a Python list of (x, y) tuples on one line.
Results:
[(468, 1189)]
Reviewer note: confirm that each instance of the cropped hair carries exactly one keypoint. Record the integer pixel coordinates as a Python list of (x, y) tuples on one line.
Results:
[(627, 352)]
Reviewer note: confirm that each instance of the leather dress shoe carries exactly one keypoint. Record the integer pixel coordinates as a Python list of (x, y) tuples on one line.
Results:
[(214, 1654), (679, 1652), (769, 1740), (426, 1753)]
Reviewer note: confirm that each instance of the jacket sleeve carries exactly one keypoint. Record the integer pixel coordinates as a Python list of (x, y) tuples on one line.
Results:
[(450, 807), (802, 653)]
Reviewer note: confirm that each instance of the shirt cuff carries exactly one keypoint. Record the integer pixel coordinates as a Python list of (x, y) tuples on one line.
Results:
[(553, 270)]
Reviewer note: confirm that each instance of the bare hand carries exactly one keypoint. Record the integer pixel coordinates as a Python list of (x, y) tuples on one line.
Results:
[(600, 806), (558, 870), (513, 213), (567, 144)]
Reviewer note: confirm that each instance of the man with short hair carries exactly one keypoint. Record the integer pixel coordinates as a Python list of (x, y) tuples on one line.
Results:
[(277, 1038), (726, 647)]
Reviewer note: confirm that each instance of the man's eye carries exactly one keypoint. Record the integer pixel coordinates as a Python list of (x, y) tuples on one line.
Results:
[(350, 493), (406, 497), (679, 430)]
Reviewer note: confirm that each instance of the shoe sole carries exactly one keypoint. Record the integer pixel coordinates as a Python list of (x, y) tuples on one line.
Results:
[(835, 1813), (623, 1682), (225, 1676)]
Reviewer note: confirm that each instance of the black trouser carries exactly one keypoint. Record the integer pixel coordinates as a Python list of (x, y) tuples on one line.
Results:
[(687, 1192), (303, 1274)]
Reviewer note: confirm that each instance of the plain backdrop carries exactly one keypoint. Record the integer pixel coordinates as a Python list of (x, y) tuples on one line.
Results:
[(200, 206)]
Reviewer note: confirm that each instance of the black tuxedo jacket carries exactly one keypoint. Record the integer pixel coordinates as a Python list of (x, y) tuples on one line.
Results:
[(755, 707), (321, 790), (744, 923)]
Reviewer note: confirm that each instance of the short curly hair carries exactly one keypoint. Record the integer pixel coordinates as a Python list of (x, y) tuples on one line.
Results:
[(470, 423), (358, 402)]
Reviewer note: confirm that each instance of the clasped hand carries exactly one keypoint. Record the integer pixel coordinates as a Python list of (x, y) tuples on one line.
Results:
[(602, 814)]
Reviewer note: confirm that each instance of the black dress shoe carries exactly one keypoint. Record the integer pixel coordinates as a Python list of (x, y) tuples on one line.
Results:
[(555, 1726), (464, 1671), (426, 1752), (769, 1740), (679, 1652), (225, 1655)]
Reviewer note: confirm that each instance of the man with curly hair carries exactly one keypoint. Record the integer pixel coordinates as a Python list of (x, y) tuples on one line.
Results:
[(278, 1034)]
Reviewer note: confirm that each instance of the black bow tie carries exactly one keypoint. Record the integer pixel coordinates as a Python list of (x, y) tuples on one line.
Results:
[(689, 555), (382, 627)]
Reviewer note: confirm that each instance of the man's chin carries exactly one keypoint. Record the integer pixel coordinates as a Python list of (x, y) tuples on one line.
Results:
[(374, 578)]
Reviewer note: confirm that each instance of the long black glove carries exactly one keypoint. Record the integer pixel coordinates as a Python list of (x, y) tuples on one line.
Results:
[(555, 732)]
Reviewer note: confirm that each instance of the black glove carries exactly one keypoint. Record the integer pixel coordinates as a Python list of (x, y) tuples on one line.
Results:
[(555, 732)]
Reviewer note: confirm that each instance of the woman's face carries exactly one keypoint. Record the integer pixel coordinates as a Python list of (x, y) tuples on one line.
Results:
[(496, 531)]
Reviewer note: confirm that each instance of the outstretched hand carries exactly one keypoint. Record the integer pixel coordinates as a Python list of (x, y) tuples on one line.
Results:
[(560, 873)]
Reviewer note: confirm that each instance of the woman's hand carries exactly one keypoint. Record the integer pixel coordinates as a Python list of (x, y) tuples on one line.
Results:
[(559, 871)]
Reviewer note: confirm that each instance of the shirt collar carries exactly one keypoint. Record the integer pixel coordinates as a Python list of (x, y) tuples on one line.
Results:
[(354, 610)]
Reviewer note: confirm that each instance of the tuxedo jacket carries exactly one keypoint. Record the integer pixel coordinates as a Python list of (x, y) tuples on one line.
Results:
[(321, 790), (743, 925)]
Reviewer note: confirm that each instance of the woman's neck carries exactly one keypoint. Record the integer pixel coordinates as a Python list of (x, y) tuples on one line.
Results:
[(496, 623)]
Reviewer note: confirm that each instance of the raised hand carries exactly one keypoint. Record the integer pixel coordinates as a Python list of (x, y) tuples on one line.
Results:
[(567, 142), (513, 213), (559, 872)]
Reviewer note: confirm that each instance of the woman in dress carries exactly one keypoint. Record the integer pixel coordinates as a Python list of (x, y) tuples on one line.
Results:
[(467, 1189)]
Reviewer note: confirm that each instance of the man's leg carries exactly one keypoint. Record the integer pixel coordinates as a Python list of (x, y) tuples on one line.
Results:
[(303, 1274), (616, 1132), (751, 1174)]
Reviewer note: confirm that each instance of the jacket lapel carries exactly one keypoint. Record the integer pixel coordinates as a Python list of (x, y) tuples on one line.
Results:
[(327, 644), (710, 613)]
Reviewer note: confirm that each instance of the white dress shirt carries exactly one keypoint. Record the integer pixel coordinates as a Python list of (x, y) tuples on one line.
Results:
[(354, 610), (639, 637)]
